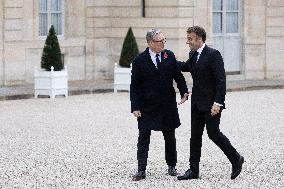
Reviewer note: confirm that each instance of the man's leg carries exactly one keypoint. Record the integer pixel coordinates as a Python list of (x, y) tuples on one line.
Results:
[(214, 133), (143, 148), (197, 127), (212, 126), (142, 153), (170, 151), (170, 147)]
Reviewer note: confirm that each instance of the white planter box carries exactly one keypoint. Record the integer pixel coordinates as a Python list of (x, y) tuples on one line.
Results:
[(122, 78), (51, 83)]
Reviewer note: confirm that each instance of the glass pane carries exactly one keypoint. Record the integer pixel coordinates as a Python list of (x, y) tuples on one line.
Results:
[(232, 5), (42, 5), (56, 5), (232, 25), (60, 5), (59, 31), (217, 5), (217, 22), (56, 21), (42, 24)]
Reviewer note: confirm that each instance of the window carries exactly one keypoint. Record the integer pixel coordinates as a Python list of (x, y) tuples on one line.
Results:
[(225, 16), (50, 13), (217, 16)]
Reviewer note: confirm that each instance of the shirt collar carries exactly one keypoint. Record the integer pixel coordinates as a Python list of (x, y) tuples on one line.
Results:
[(201, 49), (152, 54)]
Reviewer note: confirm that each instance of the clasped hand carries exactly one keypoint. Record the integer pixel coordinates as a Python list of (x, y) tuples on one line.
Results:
[(215, 110)]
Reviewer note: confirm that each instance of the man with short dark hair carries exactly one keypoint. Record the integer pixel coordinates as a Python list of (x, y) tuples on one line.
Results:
[(153, 99), (207, 101)]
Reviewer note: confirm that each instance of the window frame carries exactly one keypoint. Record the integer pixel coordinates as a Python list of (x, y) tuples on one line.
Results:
[(223, 12), (49, 13)]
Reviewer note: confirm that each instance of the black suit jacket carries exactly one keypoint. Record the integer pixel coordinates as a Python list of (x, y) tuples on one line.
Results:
[(152, 91), (209, 80)]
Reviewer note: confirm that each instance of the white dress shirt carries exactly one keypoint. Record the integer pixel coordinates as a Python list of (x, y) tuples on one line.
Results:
[(200, 51), (153, 57)]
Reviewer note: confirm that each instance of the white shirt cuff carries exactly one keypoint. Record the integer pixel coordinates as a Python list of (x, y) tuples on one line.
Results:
[(218, 104)]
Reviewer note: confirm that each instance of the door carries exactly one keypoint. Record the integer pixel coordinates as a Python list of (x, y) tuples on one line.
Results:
[(226, 32)]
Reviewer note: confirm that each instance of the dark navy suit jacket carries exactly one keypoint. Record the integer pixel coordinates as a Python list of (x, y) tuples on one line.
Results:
[(209, 79)]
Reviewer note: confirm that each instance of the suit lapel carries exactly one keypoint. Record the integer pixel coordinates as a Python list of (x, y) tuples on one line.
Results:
[(162, 56), (202, 55), (165, 58), (148, 61)]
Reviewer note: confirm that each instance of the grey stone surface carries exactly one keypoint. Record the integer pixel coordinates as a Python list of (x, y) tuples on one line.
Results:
[(106, 86), (89, 141)]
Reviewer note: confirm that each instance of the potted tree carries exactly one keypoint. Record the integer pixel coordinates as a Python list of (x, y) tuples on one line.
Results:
[(52, 78), (122, 72)]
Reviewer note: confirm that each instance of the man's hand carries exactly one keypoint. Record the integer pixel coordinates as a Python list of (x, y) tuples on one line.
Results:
[(215, 109), (184, 98), (137, 113)]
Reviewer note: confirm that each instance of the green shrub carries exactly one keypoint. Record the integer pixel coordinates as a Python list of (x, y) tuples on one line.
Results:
[(51, 55), (129, 49)]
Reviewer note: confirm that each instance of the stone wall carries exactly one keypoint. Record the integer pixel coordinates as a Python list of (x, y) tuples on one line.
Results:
[(275, 39), (263, 39), (108, 22), (254, 39), (107, 26), (13, 30), (94, 31), (23, 45), (1, 43)]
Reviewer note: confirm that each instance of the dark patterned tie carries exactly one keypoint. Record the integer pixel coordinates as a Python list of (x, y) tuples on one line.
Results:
[(194, 57), (158, 61)]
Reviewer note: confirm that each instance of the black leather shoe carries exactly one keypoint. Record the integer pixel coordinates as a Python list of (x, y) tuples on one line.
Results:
[(188, 175), (172, 171), (237, 167), (139, 175)]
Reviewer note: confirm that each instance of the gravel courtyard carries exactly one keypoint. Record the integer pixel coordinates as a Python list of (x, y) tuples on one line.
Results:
[(89, 141)]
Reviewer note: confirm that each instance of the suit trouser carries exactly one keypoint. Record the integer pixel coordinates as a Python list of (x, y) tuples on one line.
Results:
[(143, 147), (198, 120)]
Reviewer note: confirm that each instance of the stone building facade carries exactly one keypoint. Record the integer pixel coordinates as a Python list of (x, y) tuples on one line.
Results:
[(93, 33)]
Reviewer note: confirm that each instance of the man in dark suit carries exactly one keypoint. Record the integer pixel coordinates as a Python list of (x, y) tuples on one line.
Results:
[(207, 101), (153, 99)]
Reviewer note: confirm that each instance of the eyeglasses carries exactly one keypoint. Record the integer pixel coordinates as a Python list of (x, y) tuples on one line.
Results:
[(161, 41)]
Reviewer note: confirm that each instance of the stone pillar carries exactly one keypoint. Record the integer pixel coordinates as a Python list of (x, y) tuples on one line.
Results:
[(30, 31), (13, 32), (74, 45), (28, 20), (254, 39), (101, 33), (2, 60), (274, 40), (89, 27)]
